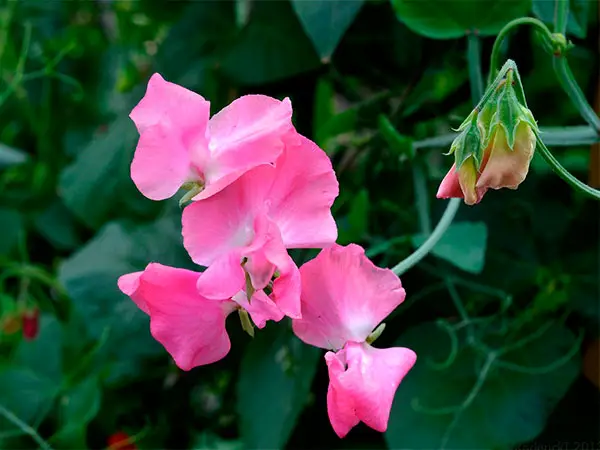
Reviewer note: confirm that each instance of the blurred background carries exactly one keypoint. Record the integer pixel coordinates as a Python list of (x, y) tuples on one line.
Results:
[(379, 85)]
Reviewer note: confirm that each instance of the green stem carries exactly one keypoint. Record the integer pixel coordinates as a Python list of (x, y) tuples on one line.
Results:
[(565, 174), (8, 415), (570, 86), (474, 60), (494, 59), (433, 239), (561, 16)]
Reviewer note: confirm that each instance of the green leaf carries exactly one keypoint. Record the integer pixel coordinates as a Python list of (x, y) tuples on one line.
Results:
[(97, 185), (12, 227), (275, 378), (447, 19), (463, 245), (57, 226), (11, 156), (510, 407), (77, 407), (26, 394), (271, 47), (577, 22), (210, 441), (326, 21), (324, 108), (354, 227), (43, 354), (399, 144), (90, 277)]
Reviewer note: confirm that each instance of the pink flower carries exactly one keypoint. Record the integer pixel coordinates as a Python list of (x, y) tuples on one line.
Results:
[(344, 297), (242, 232), (179, 144), (189, 326), (502, 166)]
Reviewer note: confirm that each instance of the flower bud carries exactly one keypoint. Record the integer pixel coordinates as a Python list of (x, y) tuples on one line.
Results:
[(31, 324), (494, 148)]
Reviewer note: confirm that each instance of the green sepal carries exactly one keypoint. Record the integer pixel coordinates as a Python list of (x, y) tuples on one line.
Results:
[(468, 144)]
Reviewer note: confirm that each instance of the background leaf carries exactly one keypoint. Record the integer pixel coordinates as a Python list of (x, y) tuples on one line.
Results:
[(500, 415), (447, 19), (275, 378), (326, 21), (463, 245)]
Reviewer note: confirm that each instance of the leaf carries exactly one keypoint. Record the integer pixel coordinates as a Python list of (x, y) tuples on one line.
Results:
[(77, 407), (447, 19), (577, 21), (324, 108), (326, 21), (463, 244), (11, 156), (43, 354), (97, 186), (509, 408), (354, 227), (210, 441), (12, 227), (90, 277), (271, 47), (57, 226), (274, 382)]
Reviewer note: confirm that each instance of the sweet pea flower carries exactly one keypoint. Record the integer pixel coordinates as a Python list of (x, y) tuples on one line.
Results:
[(241, 233), (502, 167), (189, 326), (180, 147), (344, 297)]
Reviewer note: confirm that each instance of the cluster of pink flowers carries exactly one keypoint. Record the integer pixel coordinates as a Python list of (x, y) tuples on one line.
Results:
[(257, 188)]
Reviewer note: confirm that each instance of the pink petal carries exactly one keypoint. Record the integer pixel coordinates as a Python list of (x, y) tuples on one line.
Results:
[(161, 163), (344, 296), (287, 286), (244, 135), (225, 221), (128, 284), (450, 187), (305, 187), (223, 278), (367, 386), (172, 122), (190, 327), (261, 308)]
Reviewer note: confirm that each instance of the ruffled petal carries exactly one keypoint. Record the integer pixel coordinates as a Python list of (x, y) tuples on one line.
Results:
[(223, 278), (344, 297), (244, 135), (364, 381), (304, 190), (189, 326), (226, 221)]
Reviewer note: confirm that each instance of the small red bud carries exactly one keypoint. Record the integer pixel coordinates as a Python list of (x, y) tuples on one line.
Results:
[(120, 441), (31, 324)]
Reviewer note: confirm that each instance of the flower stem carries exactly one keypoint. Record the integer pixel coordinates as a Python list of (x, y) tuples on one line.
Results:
[(494, 59), (474, 60), (561, 16), (26, 429), (570, 86), (433, 239), (565, 174)]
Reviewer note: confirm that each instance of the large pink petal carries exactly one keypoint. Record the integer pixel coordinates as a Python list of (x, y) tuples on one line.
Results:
[(367, 386), (190, 327), (450, 187), (178, 109), (225, 221), (223, 278), (302, 194), (244, 135), (161, 163), (344, 296), (172, 122)]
